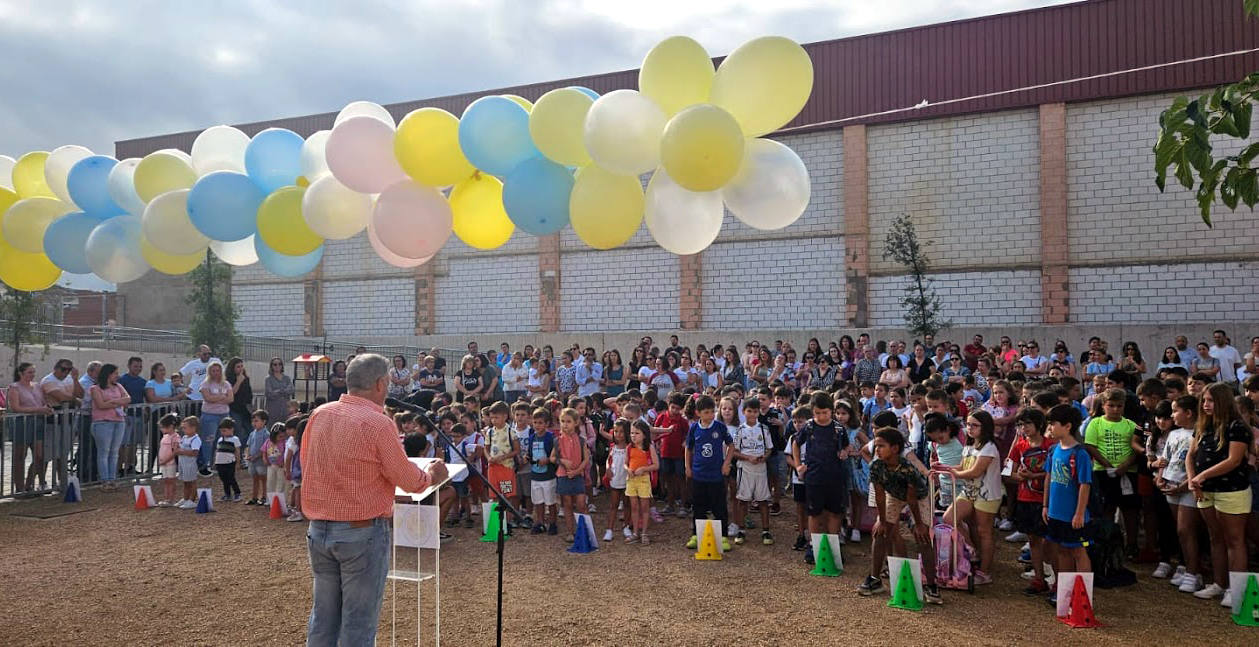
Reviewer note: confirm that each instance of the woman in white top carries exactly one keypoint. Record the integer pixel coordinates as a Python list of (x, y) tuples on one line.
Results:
[(712, 375), (663, 380), (539, 383), (515, 378), (688, 376)]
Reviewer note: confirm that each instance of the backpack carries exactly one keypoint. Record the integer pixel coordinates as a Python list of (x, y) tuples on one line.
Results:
[(295, 465)]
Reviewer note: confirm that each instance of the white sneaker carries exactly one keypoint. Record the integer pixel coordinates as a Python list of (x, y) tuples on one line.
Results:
[(296, 516), (1190, 583), (627, 532), (1227, 600), (732, 530), (180, 503), (1162, 571), (855, 536), (1006, 525), (1016, 537), (607, 535), (590, 508), (1209, 591), (1178, 576), (187, 505), (1025, 546), (559, 512)]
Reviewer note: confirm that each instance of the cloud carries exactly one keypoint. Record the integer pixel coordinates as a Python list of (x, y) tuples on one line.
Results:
[(92, 72)]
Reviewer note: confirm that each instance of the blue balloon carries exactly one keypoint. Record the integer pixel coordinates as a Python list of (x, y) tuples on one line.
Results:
[(65, 238), (283, 264), (586, 91), (88, 185), (274, 158), (494, 135), (536, 194), (224, 206)]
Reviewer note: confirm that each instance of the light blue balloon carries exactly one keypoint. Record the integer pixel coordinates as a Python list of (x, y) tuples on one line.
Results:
[(536, 194), (274, 158), (224, 206), (64, 240), (586, 91), (88, 185), (283, 264), (494, 135)]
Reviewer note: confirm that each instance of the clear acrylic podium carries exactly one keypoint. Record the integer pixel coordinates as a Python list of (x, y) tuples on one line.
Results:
[(418, 526)]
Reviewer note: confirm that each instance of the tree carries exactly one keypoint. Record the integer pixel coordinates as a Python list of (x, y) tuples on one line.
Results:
[(1184, 143), (922, 306), (23, 320), (213, 314)]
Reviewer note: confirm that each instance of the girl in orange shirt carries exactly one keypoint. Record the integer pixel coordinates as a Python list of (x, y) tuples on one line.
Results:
[(641, 461)]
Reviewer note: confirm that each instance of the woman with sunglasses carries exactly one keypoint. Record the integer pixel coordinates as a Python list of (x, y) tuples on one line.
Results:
[(279, 390)]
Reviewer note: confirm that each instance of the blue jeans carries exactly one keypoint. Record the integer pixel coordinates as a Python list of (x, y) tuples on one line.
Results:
[(209, 432), (108, 436), (349, 567)]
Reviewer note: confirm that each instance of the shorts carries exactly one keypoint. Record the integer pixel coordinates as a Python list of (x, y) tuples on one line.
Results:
[(543, 492), (1185, 499), (1111, 489), (1028, 518), (753, 485), (638, 486), (169, 471), (894, 506), (776, 464), (503, 479), (1061, 533), (1237, 502), (669, 466), (258, 468), (570, 485), (461, 488), (824, 497), (797, 492), (982, 505)]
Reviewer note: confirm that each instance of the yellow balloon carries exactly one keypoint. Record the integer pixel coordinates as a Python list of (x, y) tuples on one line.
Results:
[(764, 84), (281, 225), (524, 103), (160, 172), (605, 209), (24, 271), (427, 147), (677, 73), (479, 217), (173, 264), (302, 181), (701, 148), (7, 198), (558, 126), (28, 176), (24, 222)]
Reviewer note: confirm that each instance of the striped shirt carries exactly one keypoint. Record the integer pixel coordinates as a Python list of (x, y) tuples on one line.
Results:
[(351, 461)]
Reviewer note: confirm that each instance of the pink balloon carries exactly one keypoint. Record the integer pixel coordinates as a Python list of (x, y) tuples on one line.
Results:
[(388, 256), (412, 221), (359, 153)]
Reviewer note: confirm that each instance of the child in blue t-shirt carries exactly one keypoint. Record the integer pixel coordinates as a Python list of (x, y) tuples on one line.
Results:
[(1070, 472), (708, 454)]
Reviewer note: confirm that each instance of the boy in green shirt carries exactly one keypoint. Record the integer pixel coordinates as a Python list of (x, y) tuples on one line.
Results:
[(1112, 435)]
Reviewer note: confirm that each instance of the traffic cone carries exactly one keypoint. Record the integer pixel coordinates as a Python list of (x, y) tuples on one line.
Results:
[(72, 490), (142, 497), (824, 563), (203, 501), (1080, 613), (491, 525), (1248, 608), (905, 594), (277, 508), (707, 549), (581, 539)]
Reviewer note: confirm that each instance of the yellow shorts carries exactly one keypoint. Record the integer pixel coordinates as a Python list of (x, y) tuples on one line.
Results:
[(1227, 502), (638, 486), (983, 505)]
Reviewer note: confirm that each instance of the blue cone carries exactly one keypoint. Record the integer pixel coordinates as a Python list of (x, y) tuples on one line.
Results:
[(581, 540), (72, 493), (203, 503)]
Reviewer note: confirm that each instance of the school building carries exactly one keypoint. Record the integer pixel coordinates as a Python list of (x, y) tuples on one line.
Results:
[(1030, 171)]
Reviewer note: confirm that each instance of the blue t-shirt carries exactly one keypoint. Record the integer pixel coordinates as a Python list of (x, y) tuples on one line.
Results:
[(257, 438), (1068, 469), (540, 446), (134, 384), (160, 389), (825, 443), (708, 451)]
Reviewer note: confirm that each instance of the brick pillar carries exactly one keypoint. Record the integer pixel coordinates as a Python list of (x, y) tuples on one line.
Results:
[(1055, 289), (425, 299), (691, 291), (549, 280), (312, 306), (856, 228)]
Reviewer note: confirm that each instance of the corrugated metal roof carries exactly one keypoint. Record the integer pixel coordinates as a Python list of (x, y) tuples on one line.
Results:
[(874, 73)]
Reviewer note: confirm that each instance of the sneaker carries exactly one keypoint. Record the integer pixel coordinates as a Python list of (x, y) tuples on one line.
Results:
[(559, 512), (932, 593), (1211, 590), (568, 539), (1164, 569), (733, 530), (252, 502), (766, 538), (205, 471), (452, 522), (1029, 574), (594, 492), (631, 538), (870, 586), (1015, 537), (224, 499), (668, 509), (982, 578), (642, 539), (607, 535), (739, 538), (1190, 583), (627, 532), (801, 543), (1025, 556), (775, 509), (692, 542), (537, 529), (552, 529), (1037, 587), (236, 499), (1178, 576), (755, 507), (590, 508), (808, 555), (855, 535), (188, 505), (725, 545), (1005, 525), (443, 537), (1227, 600), (749, 523), (655, 516), (296, 516), (179, 504)]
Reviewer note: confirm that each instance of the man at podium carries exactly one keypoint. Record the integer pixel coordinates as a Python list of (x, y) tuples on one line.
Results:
[(351, 463)]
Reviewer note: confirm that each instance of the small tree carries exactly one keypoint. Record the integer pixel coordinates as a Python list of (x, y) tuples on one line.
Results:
[(213, 314), (922, 305), (23, 319)]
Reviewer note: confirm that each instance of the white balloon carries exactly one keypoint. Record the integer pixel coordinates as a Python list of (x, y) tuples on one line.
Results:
[(314, 165), (122, 187), (683, 222), (771, 189), (219, 148), (167, 226), (623, 130), (6, 172), (113, 250), (364, 109), (57, 169), (237, 252), (334, 211)]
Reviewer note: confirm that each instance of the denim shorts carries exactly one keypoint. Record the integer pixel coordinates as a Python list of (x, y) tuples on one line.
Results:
[(777, 465), (570, 485)]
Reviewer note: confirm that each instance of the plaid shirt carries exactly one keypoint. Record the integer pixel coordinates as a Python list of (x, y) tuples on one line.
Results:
[(867, 370), (351, 461)]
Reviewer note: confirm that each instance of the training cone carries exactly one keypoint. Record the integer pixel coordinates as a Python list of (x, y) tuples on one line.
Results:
[(203, 502), (142, 498), (824, 562), (277, 509), (72, 491), (491, 525), (1080, 612), (707, 549), (905, 593), (1247, 614), (581, 538)]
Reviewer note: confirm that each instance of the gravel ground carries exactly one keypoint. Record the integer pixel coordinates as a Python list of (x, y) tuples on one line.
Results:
[(165, 577)]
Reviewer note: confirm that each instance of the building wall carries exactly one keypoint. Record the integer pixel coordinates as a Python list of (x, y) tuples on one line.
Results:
[(487, 293), (629, 289), (967, 298), (269, 309)]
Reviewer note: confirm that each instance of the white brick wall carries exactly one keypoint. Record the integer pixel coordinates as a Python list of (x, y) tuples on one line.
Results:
[(1193, 292), (483, 294), (376, 307), (774, 284), (630, 289), (276, 309), (963, 180), (968, 298), (1115, 213)]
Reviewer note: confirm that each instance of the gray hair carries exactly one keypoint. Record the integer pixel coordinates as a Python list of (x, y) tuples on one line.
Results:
[(364, 370)]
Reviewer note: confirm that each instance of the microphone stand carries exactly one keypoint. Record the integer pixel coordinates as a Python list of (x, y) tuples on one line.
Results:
[(503, 504)]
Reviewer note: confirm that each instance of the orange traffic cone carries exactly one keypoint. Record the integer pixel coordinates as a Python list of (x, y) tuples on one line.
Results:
[(142, 499), (1080, 612), (277, 512)]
